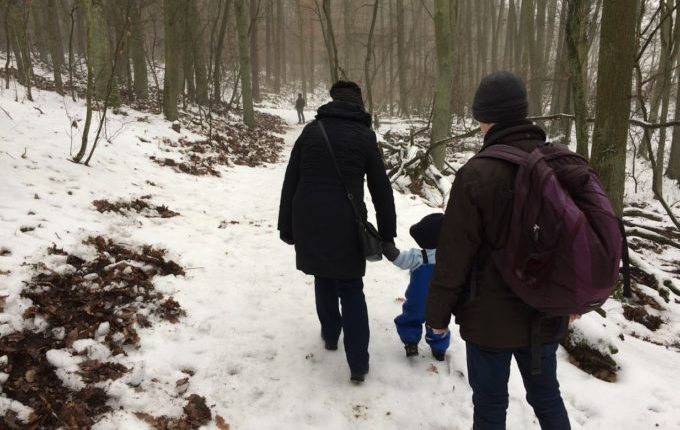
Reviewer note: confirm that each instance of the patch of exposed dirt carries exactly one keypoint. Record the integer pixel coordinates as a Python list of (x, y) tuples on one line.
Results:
[(640, 315), (141, 205), (589, 359), (196, 414), (113, 289)]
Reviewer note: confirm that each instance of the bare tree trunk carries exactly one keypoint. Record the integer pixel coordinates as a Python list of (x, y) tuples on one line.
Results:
[(301, 45), (18, 15), (329, 39), (348, 18), (198, 52), (614, 78), (673, 171), (269, 38), (277, 52), (254, 52), (173, 58), (441, 116), (217, 67), (577, 16), (369, 54), (402, 62), (141, 79), (56, 45), (242, 21), (86, 10)]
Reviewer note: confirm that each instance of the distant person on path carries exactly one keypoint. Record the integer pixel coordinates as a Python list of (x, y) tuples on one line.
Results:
[(300, 104), (316, 216), (494, 322), (420, 262)]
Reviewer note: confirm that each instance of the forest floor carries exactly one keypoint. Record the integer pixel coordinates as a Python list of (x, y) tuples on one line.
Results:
[(137, 293)]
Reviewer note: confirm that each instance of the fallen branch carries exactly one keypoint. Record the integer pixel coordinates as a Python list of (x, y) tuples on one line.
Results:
[(6, 113), (654, 237), (641, 214)]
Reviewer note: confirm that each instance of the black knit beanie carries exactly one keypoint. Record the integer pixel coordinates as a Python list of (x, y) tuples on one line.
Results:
[(347, 91), (500, 97), (426, 231)]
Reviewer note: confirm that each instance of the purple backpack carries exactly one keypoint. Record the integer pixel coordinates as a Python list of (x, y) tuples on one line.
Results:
[(564, 244)]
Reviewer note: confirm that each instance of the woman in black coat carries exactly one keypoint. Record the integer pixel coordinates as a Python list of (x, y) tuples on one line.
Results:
[(315, 215)]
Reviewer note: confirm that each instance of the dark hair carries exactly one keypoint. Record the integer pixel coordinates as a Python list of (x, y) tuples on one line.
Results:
[(299, 94), (345, 85)]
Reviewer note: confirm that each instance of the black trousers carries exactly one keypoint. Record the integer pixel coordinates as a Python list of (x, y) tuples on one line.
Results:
[(301, 116), (331, 294)]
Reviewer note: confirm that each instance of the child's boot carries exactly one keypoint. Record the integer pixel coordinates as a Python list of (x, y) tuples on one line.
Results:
[(411, 349), (439, 355)]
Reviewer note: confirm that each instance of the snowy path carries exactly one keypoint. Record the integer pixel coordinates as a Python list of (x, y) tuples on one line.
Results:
[(251, 335)]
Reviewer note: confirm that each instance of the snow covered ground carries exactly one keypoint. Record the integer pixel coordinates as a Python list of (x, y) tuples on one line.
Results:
[(251, 336)]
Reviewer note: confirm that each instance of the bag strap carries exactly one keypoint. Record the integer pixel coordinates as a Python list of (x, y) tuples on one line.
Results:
[(348, 193)]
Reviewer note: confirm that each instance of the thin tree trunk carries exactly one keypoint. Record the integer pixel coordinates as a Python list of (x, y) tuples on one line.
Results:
[(277, 52), (141, 80), (254, 52), (614, 78), (86, 10), (56, 45), (301, 45), (369, 54), (241, 12), (577, 16), (329, 39), (348, 18), (217, 68), (173, 57), (441, 116), (269, 18), (402, 62), (673, 171)]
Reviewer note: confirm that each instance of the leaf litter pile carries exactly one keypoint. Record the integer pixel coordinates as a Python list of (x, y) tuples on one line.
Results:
[(227, 143), (141, 205), (100, 302)]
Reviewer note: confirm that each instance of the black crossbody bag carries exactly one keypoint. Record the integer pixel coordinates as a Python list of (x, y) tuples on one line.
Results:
[(368, 235)]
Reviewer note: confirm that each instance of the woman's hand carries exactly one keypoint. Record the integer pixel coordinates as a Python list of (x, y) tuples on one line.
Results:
[(440, 330)]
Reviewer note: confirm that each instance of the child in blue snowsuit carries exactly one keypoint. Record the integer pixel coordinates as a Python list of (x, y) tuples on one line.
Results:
[(421, 264)]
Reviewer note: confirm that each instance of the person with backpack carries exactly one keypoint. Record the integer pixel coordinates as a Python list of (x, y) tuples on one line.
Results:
[(494, 321), (321, 199)]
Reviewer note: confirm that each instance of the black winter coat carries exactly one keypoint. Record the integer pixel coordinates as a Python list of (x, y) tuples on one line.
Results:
[(315, 213)]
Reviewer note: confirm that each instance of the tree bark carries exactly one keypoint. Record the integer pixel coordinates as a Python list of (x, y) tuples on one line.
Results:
[(141, 79), (56, 44), (441, 116), (614, 79), (402, 62), (329, 39), (173, 57), (254, 51), (348, 19), (217, 67), (367, 62), (277, 52), (301, 46), (241, 12), (577, 16)]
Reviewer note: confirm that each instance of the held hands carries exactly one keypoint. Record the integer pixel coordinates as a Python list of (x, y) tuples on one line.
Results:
[(440, 330), (390, 251)]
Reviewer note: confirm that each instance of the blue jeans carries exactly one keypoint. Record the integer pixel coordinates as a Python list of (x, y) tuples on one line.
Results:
[(488, 373), (353, 320)]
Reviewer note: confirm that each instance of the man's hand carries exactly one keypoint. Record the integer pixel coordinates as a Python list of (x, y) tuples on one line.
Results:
[(574, 317), (440, 330)]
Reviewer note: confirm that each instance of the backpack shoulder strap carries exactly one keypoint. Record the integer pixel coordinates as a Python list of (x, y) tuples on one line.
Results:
[(504, 152)]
